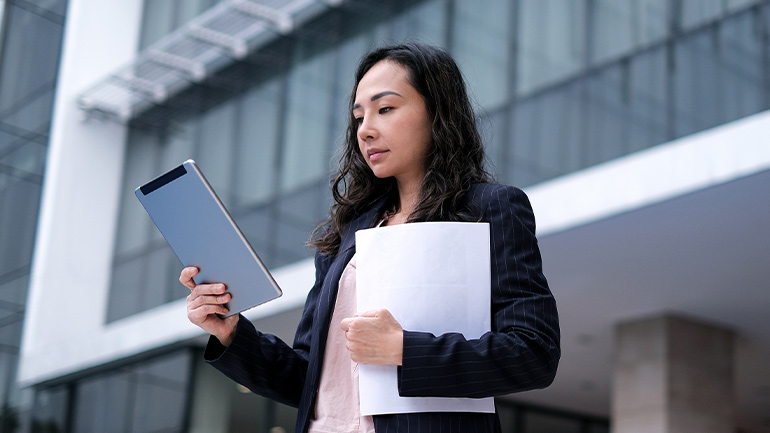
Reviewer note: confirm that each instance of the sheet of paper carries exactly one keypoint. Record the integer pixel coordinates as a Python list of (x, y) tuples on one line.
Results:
[(433, 277)]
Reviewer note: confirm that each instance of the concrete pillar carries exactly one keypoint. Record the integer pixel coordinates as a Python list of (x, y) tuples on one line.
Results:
[(673, 375)]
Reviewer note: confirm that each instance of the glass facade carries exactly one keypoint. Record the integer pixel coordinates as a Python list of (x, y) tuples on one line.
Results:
[(27, 84), (560, 86)]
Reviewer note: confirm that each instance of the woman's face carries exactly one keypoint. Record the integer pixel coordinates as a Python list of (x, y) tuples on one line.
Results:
[(394, 129)]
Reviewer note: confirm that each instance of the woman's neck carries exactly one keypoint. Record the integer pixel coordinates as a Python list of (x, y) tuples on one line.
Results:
[(408, 196)]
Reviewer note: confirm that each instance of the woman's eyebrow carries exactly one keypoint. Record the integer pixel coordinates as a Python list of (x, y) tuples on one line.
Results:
[(378, 96)]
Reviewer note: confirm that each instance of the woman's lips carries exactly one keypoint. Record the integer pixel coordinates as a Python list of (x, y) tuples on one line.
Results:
[(375, 154)]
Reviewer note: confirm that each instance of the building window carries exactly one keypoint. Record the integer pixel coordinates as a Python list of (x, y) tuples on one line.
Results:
[(481, 42), (49, 413), (149, 396), (162, 17), (551, 36), (717, 74), (308, 137), (620, 27), (522, 418), (697, 13)]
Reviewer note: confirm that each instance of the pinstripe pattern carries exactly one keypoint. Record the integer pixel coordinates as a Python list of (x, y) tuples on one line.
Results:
[(520, 353)]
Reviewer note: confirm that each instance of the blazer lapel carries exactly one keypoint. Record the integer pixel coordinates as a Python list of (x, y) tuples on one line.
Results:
[(330, 286), (348, 244)]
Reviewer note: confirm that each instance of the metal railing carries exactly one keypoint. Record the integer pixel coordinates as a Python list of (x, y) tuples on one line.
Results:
[(222, 35)]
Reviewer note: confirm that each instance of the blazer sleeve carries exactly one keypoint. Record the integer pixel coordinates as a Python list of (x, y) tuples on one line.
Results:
[(265, 364), (522, 350)]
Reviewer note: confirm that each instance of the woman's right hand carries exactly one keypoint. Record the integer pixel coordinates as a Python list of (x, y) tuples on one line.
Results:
[(204, 303)]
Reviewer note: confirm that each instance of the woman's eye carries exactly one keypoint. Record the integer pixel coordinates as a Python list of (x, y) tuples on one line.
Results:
[(359, 120), (384, 110)]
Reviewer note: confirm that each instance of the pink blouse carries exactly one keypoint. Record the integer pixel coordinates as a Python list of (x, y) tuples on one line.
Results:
[(337, 408)]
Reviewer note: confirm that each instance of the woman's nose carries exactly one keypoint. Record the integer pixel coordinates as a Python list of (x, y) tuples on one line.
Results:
[(366, 130)]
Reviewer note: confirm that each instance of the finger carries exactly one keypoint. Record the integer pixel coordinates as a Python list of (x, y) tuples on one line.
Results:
[(209, 289), (345, 324), (186, 276), (205, 312), (352, 348), (199, 296), (196, 301)]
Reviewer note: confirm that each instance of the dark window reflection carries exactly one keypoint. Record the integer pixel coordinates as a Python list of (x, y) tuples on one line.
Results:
[(147, 397), (535, 422), (519, 418), (718, 74), (50, 410)]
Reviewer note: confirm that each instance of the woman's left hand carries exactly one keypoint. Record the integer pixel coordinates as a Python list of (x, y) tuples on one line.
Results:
[(374, 337)]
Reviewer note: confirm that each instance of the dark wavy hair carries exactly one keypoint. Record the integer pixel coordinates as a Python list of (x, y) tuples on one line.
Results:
[(455, 159)]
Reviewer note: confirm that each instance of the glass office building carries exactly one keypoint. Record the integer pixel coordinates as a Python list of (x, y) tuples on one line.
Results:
[(653, 112), (27, 87)]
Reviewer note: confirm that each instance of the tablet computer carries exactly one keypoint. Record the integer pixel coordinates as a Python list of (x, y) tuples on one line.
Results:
[(200, 230)]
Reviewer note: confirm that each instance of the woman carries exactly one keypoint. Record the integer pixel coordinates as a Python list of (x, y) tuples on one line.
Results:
[(412, 153)]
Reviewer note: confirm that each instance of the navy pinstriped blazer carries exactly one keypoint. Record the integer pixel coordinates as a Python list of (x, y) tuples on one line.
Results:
[(520, 353)]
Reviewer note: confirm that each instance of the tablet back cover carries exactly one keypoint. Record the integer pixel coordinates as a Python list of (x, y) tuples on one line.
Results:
[(202, 233)]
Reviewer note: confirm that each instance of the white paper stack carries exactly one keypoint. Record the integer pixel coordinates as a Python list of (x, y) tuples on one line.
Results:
[(433, 277)]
